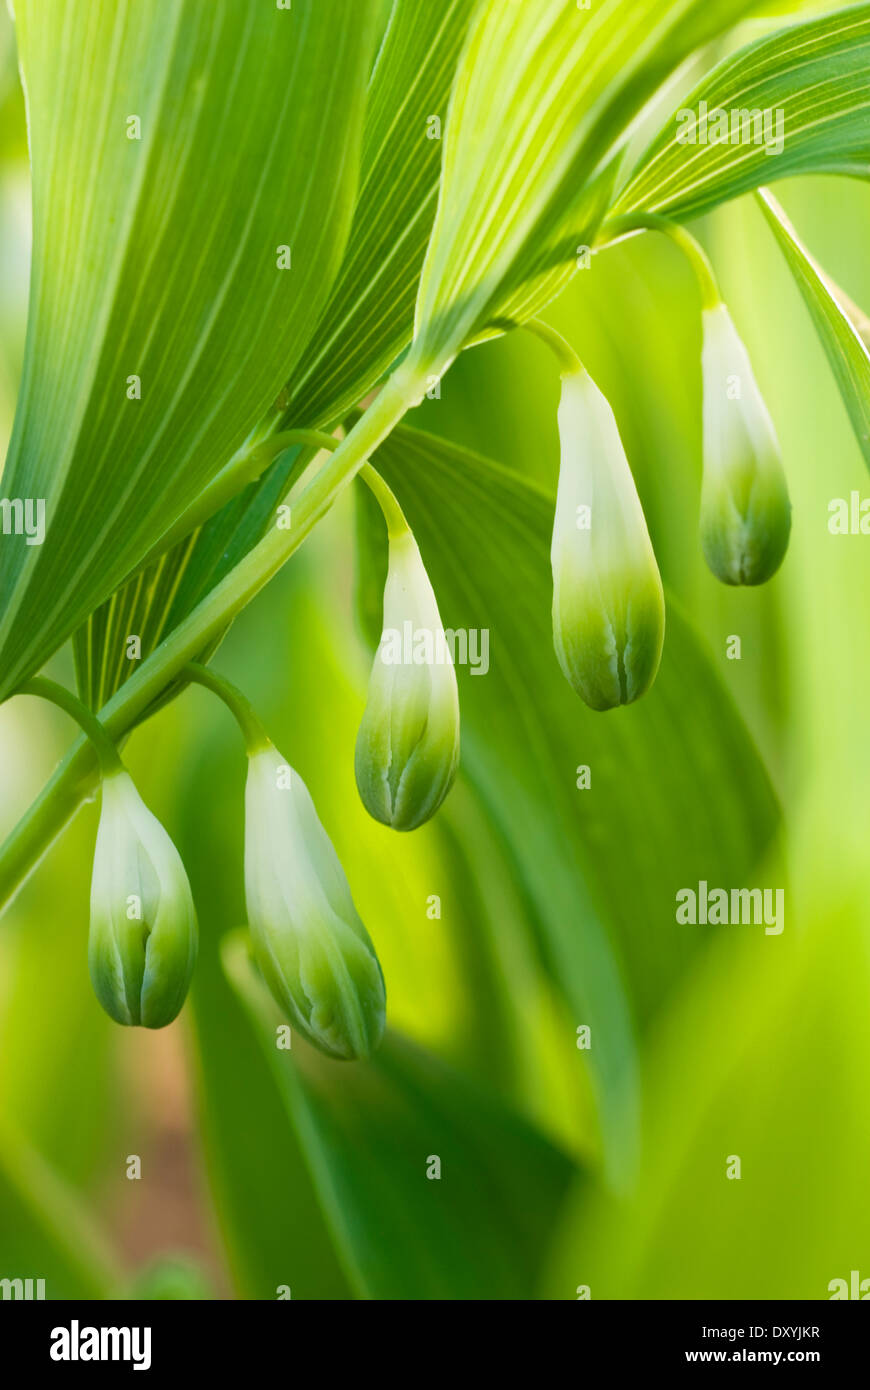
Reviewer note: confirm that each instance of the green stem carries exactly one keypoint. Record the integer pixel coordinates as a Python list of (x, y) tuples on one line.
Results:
[(397, 525), (110, 760), (392, 512), (569, 362), (75, 777), (619, 227), (239, 705), (232, 479)]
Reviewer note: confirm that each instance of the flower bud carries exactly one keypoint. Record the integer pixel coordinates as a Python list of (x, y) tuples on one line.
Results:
[(315, 954), (407, 748), (608, 604), (745, 510), (171, 1278), (143, 935)]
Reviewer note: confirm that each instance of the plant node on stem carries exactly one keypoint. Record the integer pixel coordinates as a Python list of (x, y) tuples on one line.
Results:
[(74, 780)]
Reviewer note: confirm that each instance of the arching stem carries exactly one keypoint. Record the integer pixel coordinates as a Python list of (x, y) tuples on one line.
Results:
[(45, 689), (569, 362), (620, 227), (397, 524), (253, 731)]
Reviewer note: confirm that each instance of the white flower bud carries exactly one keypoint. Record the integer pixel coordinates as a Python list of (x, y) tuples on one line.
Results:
[(309, 942), (745, 509), (407, 748), (608, 603), (143, 935)]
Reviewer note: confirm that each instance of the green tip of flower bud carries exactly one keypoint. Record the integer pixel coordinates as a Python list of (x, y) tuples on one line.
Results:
[(407, 748), (745, 508), (143, 935), (608, 603), (171, 1278), (315, 954)]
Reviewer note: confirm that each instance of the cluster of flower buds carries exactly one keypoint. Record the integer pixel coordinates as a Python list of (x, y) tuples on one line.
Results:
[(608, 630), (308, 939), (608, 603)]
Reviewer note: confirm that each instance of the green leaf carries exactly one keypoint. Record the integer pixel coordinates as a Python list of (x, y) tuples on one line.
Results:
[(543, 97), (266, 1206), (152, 603), (817, 73), (369, 318), (140, 609), (725, 1083), (835, 320), (561, 250), (678, 792), (157, 258), (367, 322), (371, 1134)]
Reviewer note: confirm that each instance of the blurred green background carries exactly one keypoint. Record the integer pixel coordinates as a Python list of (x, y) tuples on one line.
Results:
[(561, 1168)]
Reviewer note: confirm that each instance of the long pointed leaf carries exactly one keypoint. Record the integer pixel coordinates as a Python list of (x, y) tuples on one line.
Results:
[(817, 74), (847, 352), (543, 98), (369, 319), (367, 322), (370, 1135), (157, 258)]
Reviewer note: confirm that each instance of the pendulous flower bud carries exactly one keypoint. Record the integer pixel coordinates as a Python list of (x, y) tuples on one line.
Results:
[(407, 748), (315, 954), (608, 603), (745, 509), (143, 936)]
